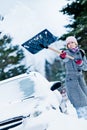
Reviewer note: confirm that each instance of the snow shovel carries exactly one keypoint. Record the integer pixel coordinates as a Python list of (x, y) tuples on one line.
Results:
[(45, 37), (57, 51), (40, 41)]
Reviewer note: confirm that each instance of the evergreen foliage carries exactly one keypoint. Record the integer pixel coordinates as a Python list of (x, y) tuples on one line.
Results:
[(55, 71), (10, 58), (77, 10)]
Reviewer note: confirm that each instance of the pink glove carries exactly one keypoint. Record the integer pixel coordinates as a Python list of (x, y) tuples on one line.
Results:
[(63, 55), (78, 62)]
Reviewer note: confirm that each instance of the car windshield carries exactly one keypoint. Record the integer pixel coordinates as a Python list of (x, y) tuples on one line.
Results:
[(16, 89)]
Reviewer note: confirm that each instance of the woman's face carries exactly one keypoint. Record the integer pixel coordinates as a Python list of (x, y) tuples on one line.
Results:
[(71, 45)]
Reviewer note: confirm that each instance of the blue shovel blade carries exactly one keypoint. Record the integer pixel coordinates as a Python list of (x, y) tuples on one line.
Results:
[(45, 38)]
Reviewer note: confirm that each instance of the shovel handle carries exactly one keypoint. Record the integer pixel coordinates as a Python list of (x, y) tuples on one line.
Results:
[(59, 52)]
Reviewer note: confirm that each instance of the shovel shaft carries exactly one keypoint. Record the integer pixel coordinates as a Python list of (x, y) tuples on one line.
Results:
[(59, 52)]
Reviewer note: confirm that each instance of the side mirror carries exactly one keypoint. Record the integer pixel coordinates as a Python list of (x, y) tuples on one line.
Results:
[(55, 86)]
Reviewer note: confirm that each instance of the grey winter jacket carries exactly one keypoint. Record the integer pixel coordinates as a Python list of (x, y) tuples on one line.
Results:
[(75, 83)]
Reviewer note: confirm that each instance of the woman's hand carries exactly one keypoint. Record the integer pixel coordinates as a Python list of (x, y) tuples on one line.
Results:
[(63, 55), (79, 62)]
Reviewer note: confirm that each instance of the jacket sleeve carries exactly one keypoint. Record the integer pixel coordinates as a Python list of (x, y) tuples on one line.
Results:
[(84, 65)]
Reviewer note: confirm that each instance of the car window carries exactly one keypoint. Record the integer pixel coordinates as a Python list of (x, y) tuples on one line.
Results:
[(26, 87), (17, 89)]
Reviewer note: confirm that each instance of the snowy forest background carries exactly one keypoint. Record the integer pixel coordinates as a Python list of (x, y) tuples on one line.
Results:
[(15, 60)]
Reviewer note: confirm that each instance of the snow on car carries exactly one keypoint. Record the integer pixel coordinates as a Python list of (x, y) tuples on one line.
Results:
[(26, 96), (28, 102)]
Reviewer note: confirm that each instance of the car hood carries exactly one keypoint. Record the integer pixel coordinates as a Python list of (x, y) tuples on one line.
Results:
[(17, 108)]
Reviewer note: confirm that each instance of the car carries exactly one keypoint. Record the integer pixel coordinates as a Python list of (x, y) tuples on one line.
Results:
[(28, 101)]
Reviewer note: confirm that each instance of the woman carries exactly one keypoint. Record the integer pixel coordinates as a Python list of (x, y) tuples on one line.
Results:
[(75, 84)]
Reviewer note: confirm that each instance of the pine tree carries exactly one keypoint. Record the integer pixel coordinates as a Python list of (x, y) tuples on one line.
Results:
[(10, 58), (77, 10), (55, 71)]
